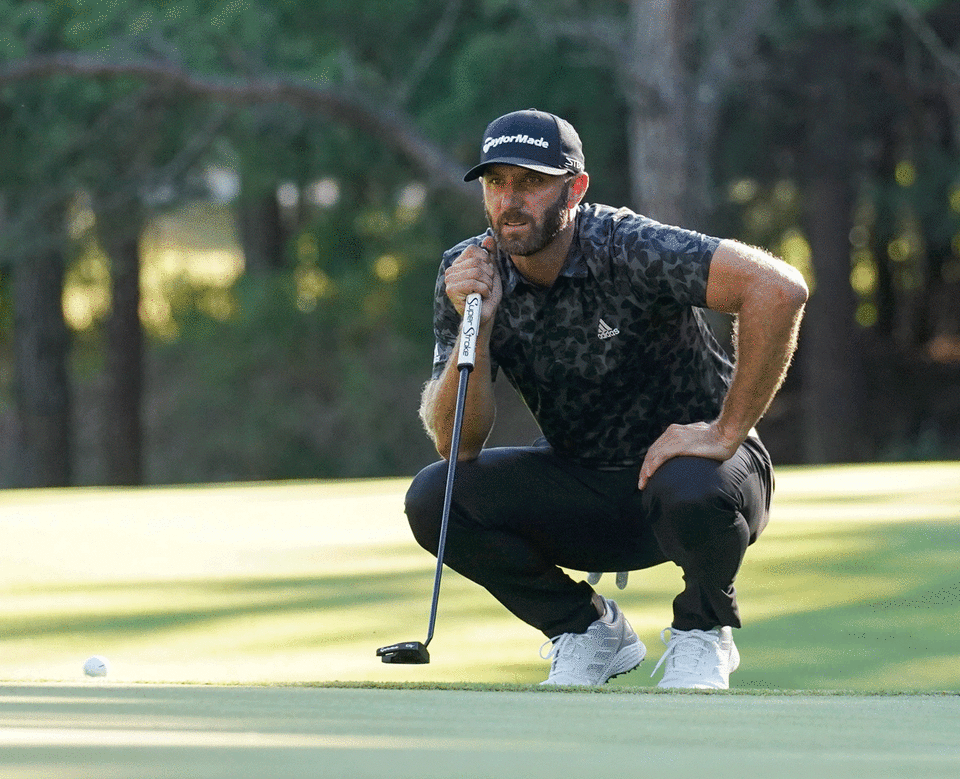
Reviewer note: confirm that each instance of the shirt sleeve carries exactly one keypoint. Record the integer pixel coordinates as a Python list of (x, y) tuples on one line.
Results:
[(666, 263)]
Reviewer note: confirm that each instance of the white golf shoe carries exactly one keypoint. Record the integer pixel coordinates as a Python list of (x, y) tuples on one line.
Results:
[(610, 647), (698, 659)]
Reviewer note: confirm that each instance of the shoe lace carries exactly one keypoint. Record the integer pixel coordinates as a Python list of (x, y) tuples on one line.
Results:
[(685, 647), (559, 644), (566, 650)]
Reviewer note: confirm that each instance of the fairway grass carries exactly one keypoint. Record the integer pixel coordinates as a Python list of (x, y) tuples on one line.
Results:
[(854, 586)]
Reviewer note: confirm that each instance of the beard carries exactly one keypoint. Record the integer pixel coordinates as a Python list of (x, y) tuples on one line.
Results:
[(540, 233)]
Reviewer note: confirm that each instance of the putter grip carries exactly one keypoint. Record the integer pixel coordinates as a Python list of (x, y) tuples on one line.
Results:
[(469, 331)]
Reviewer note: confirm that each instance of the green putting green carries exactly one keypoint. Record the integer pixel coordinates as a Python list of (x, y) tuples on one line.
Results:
[(853, 586), (152, 732)]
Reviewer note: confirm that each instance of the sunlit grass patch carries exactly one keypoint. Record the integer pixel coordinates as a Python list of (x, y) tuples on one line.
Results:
[(852, 586)]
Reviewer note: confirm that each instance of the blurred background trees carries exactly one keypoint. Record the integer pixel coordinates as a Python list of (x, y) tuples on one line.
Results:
[(220, 222)]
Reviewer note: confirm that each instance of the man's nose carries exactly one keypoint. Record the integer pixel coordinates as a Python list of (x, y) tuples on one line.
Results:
[(510, 197)]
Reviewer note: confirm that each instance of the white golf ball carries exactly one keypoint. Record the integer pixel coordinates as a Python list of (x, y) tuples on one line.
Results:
[(96, 666)]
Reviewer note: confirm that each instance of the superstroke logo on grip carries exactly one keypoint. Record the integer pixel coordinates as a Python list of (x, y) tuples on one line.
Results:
[(491, 143), (469, 330)]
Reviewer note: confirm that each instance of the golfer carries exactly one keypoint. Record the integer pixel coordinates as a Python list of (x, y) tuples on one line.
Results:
[(649, 453)]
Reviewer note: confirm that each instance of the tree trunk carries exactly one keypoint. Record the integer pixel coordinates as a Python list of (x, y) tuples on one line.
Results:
[(41, 356), (122, 424), (675, 90), (262, 232), (831, 358), (656, 89)]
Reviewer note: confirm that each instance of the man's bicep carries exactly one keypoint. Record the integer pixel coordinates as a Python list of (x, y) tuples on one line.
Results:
[(740, 273), (734, 269)]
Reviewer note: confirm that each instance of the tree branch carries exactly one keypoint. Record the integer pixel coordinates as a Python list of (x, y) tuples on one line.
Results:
[(945, 57), (734, 49), (354, 110), (603, 32), (438, 39)]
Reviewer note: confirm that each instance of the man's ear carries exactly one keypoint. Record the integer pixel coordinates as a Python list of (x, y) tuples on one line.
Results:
[(578, 189)]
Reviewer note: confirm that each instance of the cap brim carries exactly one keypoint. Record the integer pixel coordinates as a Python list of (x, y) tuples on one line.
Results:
[(477, 171)]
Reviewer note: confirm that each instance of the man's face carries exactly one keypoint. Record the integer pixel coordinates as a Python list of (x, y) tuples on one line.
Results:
[(525, 209)]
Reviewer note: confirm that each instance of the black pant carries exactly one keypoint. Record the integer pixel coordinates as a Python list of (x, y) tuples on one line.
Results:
[(520, 512)]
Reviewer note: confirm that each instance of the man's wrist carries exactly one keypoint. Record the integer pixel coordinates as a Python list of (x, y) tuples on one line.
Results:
[(731, 435)]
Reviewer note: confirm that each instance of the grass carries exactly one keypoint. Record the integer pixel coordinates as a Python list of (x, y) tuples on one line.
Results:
[(274, 598), (119, 731), (853, 587)]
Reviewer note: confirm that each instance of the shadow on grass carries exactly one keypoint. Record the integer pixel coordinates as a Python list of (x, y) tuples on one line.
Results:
[(848, 606), (117, 609)]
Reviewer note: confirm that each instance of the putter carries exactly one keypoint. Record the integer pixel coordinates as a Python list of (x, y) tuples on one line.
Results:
[(415, 652)]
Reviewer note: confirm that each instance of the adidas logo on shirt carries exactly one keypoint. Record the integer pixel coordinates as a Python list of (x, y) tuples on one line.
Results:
[(605, 331)]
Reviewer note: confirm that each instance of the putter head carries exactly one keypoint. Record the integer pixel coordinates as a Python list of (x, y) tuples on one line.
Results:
[(409, 653)]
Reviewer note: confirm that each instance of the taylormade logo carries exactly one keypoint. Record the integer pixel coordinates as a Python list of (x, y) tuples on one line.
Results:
[(491, 143)]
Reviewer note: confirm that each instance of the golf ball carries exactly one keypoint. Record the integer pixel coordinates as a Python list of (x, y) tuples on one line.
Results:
[(96, 666)]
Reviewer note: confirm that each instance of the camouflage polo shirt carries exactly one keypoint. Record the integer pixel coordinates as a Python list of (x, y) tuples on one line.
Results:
[(617, 349)]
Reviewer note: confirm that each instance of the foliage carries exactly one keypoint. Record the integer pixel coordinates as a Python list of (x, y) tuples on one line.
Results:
[(284, 394), (344, 315), (906, 163)]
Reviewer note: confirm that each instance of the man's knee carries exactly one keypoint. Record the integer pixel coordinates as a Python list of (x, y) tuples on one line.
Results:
[(424, 505), (687, 498)]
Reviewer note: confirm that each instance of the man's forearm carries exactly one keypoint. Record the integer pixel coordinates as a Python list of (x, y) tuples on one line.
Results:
[(439, 400), (766, 338)]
